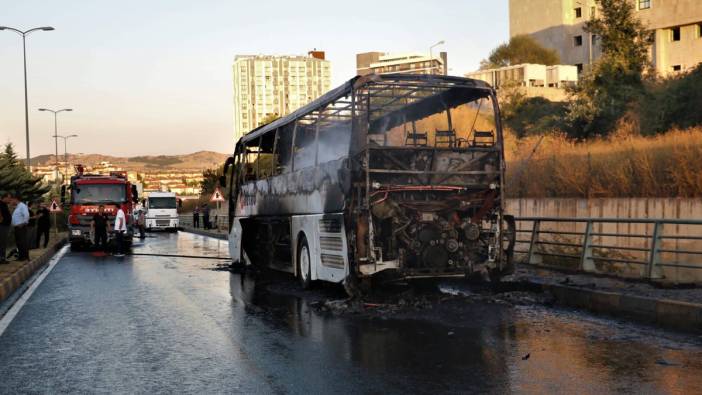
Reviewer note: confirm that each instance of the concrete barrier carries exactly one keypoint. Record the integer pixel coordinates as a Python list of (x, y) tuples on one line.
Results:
[(203, 232), (669, 314)]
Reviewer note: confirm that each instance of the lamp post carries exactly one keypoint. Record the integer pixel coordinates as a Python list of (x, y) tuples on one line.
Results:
[(431, 55), (65, 151), (55, 136), (24, 55)]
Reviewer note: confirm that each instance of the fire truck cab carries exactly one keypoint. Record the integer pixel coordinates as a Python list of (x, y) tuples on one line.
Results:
[(86, 193)]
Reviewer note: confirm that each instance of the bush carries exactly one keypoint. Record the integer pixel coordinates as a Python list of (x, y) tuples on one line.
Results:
[(674, 102), (534, 116)]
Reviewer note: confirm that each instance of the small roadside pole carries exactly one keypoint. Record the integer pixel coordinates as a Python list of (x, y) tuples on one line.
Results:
[(217, 197), (55, 208)]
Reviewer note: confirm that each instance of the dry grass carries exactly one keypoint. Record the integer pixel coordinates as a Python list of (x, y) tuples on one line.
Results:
[(623, 165)]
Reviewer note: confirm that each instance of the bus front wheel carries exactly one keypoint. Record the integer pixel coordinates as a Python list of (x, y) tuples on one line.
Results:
[(304, 264)]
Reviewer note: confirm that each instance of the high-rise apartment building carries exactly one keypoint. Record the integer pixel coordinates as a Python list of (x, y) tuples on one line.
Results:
[(558, 24), (407, 63), (266, 86)]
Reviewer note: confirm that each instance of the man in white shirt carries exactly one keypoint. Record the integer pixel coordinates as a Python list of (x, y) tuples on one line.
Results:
[(120, 229), (20, 221)]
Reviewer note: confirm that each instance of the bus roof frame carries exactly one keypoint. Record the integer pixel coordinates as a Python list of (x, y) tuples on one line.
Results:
[(359, 82)]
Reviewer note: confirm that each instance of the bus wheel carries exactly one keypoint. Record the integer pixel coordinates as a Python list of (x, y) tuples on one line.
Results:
[(304, 264)]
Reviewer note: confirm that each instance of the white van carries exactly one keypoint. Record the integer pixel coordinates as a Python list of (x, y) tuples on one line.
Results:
[(161, 211)]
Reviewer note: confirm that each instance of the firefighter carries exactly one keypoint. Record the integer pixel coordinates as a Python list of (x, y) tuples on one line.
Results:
[(120, 230), (100, 226)]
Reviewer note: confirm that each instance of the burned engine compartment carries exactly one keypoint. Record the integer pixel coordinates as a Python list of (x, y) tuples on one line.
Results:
[(426, 231), (433, 210)]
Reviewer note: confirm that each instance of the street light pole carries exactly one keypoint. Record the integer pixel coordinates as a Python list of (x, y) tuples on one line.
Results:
[(26, 100), (431, 55), (65, 152), (56, 136)]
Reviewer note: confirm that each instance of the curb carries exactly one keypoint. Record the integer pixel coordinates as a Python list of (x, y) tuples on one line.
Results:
[(669, 314), (206, 233), (14, 282)]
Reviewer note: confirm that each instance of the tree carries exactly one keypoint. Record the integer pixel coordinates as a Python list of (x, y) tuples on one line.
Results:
[(210, 181), (520, 49), (605, 92), (268, 119), (16, 179)]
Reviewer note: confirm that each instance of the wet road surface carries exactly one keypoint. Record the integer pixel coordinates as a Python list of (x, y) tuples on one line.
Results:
[(145, 324)]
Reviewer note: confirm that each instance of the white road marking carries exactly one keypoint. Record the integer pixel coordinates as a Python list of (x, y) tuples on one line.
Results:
[(15, 309)]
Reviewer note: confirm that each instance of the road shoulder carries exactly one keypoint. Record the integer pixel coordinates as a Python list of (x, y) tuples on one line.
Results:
[(14, 274), (671, 308), (218, 234)]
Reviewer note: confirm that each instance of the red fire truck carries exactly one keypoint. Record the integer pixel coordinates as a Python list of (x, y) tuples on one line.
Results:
[(87, 193)]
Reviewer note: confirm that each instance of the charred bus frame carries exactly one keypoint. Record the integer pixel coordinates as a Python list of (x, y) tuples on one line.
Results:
[(347, 187)]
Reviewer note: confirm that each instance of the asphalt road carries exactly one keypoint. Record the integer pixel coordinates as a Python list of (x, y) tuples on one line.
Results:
[(145, 324)]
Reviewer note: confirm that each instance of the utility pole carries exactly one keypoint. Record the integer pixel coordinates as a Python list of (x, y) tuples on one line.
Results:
[(65, 152), (56, 136), (431, 56), (26, 100)]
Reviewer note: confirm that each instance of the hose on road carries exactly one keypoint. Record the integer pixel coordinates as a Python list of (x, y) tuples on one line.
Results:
[(180, 256)]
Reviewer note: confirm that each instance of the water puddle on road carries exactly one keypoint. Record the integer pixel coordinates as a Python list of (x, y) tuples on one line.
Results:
[(463, 341)]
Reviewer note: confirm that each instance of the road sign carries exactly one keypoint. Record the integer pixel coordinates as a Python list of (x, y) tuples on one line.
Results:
[(55, 208), (217, 196)]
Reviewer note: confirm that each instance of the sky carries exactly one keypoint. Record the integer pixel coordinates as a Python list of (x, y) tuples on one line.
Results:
[(153, 77)]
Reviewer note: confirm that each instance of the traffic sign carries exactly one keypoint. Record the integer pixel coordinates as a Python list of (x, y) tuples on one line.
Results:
[(54, 207), (217, 196)]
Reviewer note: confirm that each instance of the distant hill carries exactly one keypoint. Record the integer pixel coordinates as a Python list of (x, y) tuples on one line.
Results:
[(196, 161)]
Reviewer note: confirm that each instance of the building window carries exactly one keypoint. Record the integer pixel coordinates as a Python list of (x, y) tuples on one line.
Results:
[(677, 67), (579, 12), (579, 66), (699, 30), (644, 4), (593, 12), (578, 41), (675, 33)]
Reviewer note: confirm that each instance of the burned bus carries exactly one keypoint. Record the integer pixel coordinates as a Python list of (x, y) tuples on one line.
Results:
[(395, 174)]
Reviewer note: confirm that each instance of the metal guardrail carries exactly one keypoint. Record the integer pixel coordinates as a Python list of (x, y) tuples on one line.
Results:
[(588, 249)]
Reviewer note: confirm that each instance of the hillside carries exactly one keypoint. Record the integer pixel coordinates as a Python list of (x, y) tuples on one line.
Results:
[(197, 160)]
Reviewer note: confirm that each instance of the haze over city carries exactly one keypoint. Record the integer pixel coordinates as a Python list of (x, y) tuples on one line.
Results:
[(155, 77)]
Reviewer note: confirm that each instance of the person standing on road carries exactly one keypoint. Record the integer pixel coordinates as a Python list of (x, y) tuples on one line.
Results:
[(20, 223), (196, 217), (99, 226), (32, 227), (5, 223), (206, 216), (120, 230), (43, 225), (141, 223)]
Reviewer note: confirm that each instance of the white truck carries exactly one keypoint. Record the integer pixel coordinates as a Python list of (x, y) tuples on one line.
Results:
[(161, 211)]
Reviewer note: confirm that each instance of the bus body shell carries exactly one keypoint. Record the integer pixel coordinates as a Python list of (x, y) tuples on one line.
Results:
[(351, 181)]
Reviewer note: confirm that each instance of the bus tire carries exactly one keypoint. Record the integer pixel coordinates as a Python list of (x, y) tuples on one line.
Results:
[(304, 264)]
